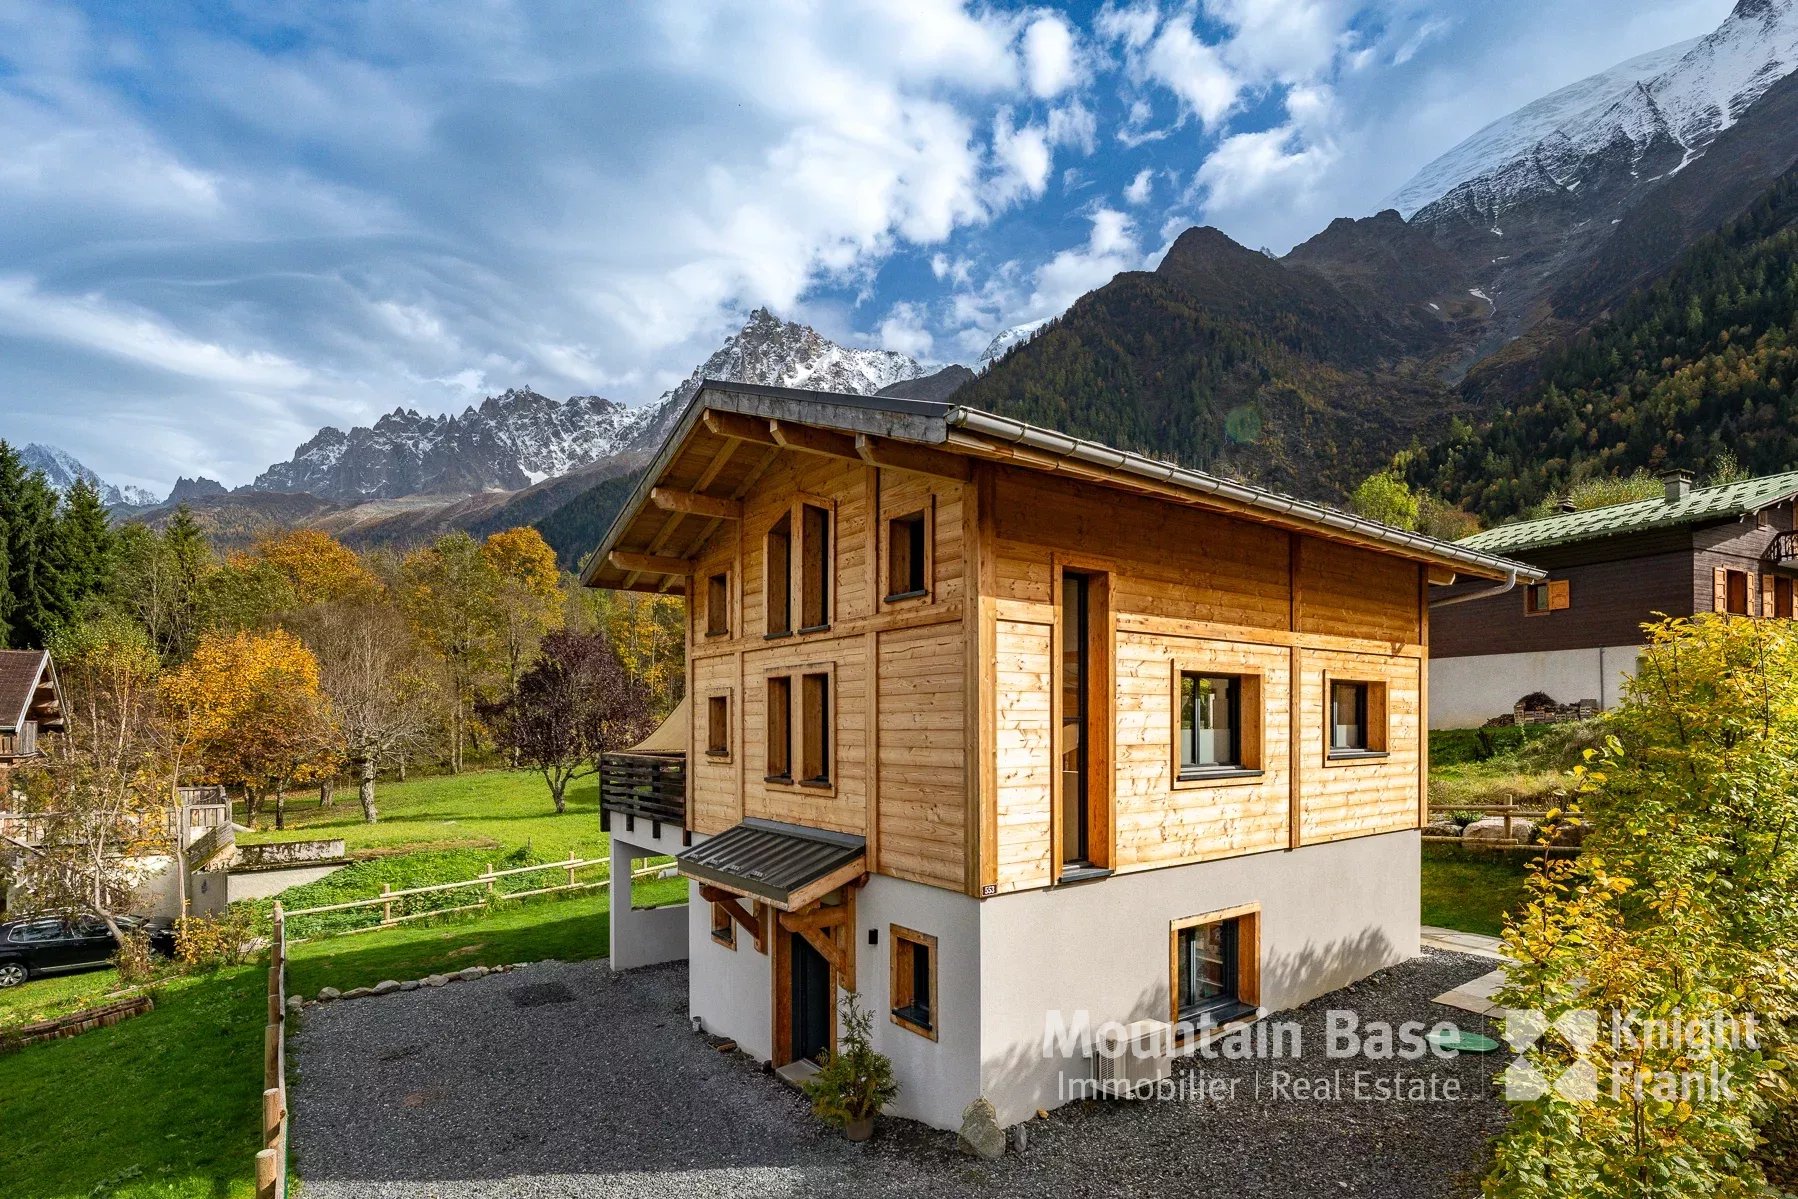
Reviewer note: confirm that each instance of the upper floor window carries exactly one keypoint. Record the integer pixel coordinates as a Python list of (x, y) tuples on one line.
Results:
[(1210, 723), (777, 590), (717, 726), (908, 574), (814, 737), (801, 745), (815, 569), (717, 605), (1357, 718), (779, 764), (1550, 595)]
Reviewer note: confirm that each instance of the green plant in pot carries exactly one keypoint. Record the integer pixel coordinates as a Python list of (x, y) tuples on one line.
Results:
[(856, 1081)]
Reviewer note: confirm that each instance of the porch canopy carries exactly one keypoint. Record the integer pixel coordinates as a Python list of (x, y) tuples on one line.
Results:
[(785, 865)]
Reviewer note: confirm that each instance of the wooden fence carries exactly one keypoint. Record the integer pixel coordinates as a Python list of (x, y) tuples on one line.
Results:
[(1511, 810), (387, 898), (271, 1161)]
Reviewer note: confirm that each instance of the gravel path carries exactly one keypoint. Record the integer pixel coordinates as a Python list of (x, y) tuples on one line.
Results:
[(567, 1080)]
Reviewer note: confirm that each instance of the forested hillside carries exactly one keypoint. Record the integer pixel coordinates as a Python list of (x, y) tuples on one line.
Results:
[(1700, 363)]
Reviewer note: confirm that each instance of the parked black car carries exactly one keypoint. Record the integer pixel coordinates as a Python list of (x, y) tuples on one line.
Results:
[(59, 944)]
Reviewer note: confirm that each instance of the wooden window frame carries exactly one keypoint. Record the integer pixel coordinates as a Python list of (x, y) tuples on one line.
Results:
[(802, 552), (926, 515), (1248, 954), (902, 943), (1378, 718), (724, 929), (825, 779), (713, 752), (1723, 579), (1252, 712), (1556, 596), (784, 681), (1101, 720), (717, 622), (797, 742), (782, 587)]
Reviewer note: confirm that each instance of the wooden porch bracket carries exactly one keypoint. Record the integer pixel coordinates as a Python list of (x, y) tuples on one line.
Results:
[(740, 427), (733, 907), (650, 564), (694, 504), (830, 931)]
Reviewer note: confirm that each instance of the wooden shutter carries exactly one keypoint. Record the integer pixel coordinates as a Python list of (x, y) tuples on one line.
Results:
[(1751, 607), (1719, 589), (1767, 592), (1558, 596)]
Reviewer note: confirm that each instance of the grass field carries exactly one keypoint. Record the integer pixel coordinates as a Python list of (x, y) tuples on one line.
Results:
[(1471, 895), (505, 809), (165, 1105)]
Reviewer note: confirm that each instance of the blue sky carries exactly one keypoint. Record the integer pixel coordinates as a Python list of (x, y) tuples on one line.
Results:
[(223, 225)]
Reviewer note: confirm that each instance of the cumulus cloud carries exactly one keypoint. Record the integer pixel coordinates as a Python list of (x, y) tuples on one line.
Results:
[(1051, 58), (1140, 187)]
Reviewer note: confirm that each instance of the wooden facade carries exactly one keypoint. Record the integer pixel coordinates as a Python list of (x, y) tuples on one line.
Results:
[(945, 701)]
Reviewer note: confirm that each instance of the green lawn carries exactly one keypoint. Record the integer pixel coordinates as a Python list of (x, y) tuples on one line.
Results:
[(506, 809), (1471, 895), (166, 1105)]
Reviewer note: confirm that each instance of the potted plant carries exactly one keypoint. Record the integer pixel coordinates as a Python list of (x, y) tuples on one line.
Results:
[(855, 1082)]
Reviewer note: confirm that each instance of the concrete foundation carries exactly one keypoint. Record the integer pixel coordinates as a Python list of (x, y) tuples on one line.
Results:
[(643, 936), (1467, 692)]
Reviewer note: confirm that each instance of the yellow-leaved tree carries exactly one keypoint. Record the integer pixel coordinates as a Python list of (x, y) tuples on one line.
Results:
[(317, 566), (527, 595), (248, 712)]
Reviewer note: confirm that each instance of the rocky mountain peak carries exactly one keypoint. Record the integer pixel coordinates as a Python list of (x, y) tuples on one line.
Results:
[(61, 469)]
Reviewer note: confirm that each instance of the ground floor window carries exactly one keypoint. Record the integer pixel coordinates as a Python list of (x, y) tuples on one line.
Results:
[(724, 929), (913, 981), (1215, 966)]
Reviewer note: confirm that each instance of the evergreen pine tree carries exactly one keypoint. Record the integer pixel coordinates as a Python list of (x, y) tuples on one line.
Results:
[(28, 509), (85, 546)]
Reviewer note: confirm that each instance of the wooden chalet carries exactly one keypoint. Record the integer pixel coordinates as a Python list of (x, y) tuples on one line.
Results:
[(989, 722), (30, 705)]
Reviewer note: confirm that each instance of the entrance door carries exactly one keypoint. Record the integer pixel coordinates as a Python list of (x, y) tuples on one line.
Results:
[(811, 1001)]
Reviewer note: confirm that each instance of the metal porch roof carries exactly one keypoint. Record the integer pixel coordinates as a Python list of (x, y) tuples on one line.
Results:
[(769, 859)]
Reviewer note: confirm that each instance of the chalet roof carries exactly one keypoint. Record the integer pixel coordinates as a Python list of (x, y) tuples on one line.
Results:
[(698, 459), (770, 860), (28, 690), (1701, 505)]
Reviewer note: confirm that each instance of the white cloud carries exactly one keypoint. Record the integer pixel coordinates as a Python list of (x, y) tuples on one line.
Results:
[(1288, 40), (904, 330), (1074, 125), (1140, 187), (1186, 65), (1023, 158), (1051, 59)]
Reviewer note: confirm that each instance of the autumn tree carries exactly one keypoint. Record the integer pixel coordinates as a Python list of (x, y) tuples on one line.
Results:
[(107, 791), (449, 591), (317, 566), (649, 633), (250, 713), (158, 580), (527, 594), (576, 701), (372, 669)]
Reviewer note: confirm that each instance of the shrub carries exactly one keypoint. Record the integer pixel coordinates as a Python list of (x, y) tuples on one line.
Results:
[(211, 942), (1463, 819), (856, 1081), (134, 961)]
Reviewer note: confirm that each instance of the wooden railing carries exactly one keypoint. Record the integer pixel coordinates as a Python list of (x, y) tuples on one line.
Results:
[(22, 744), (1783, 546), (650, 787), (1510, 810), (271, 1161)]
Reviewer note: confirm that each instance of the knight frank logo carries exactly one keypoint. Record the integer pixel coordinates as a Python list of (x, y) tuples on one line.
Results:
[(1524, 1082)]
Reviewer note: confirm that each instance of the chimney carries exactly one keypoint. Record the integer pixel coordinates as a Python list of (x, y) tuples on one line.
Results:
[(1678, 484), (1567, 504)]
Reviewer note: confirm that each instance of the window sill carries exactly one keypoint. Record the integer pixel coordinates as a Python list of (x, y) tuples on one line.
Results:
[(716, 634), (1082, 874), (1219, 1012), (814, 628), (777, 636), (717, 755), (902, 596), (784, 780), (727, 943), (1354, 755), (907, 1018), (817, 784), (1218, 774)]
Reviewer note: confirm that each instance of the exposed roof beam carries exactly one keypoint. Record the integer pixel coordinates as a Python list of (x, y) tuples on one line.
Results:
[(650, 564), (878, 451), (812, 440), (739, 426), (693, 503)]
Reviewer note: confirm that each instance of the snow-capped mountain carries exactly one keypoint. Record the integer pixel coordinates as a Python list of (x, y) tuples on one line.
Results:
[(1514, 135), (1008, 340), (509, 442), (779, 353), (62, 468), (1651, 126)]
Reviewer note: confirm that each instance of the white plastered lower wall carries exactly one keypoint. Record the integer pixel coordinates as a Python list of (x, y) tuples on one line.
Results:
[(1466, 692)]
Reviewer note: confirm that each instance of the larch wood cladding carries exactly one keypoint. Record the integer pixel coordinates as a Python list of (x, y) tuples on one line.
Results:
[(898, 672)]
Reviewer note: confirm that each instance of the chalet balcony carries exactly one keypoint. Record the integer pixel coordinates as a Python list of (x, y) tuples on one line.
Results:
[(1783, 548), (20, 742), (644, 786)]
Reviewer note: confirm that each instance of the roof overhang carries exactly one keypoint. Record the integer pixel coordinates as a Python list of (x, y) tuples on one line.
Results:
[(785, 865), (731, 432), (38, 696)]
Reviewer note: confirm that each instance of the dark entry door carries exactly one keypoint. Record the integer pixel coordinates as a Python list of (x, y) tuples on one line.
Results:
[(811, 1001)]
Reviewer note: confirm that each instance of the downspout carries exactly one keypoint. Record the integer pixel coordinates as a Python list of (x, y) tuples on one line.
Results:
[(1483, 593)]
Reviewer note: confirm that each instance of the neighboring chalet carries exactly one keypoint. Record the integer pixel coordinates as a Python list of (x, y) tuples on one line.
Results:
[(30, 705), (1575, 635), (995, 726)]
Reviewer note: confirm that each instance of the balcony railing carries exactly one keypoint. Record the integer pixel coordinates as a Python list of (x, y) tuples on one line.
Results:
[(21, 743), (650, 787), (1783, 547)]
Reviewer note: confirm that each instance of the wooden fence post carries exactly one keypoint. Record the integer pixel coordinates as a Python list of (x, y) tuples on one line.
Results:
[(571, 861), (490, 881), (386, 908), (1510, 802), (273, 1113), (268, 1174)]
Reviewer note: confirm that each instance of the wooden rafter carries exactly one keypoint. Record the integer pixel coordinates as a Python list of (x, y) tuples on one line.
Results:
[(727, 449), (810, 439), (732, 904), (694, 503), (651, 564), (830, 931), (739, 426), (879, 451)]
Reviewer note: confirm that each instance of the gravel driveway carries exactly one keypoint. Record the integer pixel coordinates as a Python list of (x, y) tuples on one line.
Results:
[(567, 1080)]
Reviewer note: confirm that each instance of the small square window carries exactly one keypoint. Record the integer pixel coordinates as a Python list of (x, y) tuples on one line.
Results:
[(717, 726), (1215, 972), (1210, 723), (724, 929), (1357, 717), (906, 557), (717, 606), (1535, 598), (914, 990)]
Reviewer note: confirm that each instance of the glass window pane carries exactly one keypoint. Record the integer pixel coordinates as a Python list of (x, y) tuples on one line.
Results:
[(1210, 716), (1348, 716), (1205, 969)]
